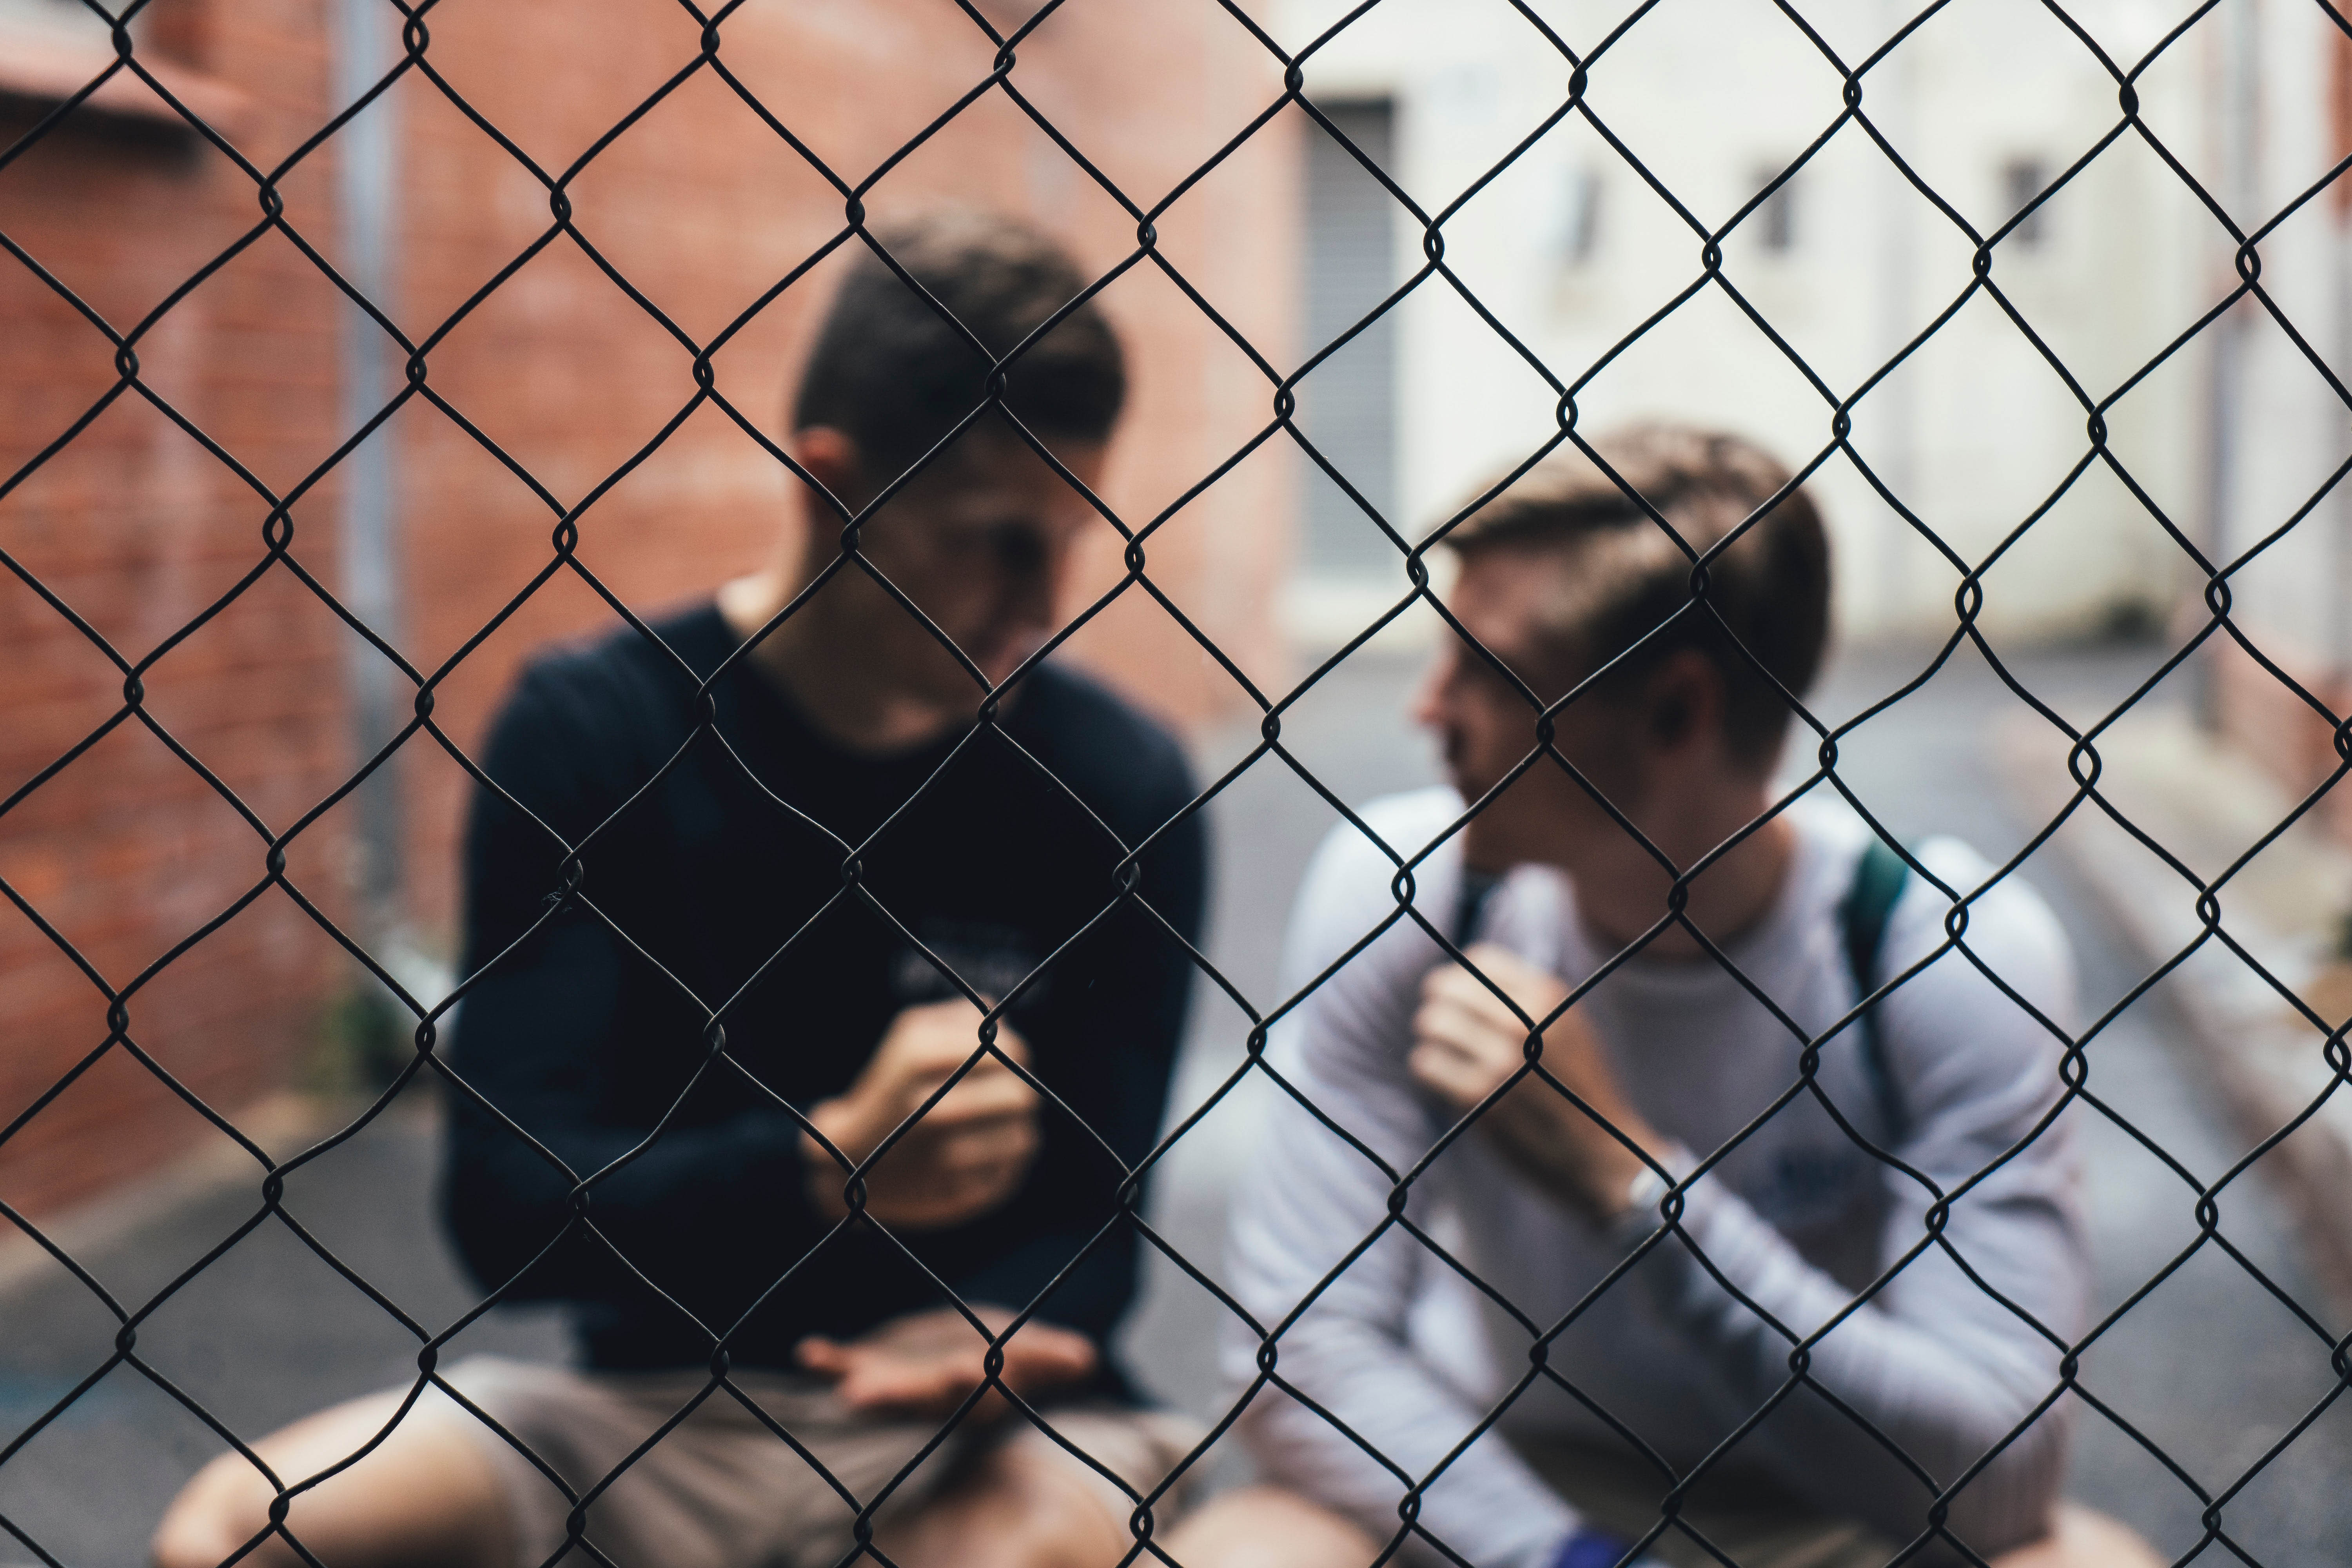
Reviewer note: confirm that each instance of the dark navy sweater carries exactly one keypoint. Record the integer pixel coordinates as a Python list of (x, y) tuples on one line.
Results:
[(711, 881)]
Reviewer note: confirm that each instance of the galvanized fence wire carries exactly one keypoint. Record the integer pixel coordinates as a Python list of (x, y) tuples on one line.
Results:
[(280, 551)]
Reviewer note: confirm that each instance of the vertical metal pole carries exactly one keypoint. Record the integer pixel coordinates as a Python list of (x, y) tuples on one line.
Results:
[(1894, 451), (366, 171), (2337, 606), (2239, 109)]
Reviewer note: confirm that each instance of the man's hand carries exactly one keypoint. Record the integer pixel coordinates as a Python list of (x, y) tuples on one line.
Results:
[(1467, 1043), (966, 1155), (927, 1364)]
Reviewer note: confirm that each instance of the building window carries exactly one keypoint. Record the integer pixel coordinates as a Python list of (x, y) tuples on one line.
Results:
[(2022, 180), (52, 50), (1774, 222), (1580, 237)]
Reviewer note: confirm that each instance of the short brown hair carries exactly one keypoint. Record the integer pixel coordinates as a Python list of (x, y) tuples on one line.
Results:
[(1626, 578), (889, 372)]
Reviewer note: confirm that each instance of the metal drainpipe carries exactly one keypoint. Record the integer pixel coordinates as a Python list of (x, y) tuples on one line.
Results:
[(1891, 98), (366, 174), (2338, 610), (2239, 124)]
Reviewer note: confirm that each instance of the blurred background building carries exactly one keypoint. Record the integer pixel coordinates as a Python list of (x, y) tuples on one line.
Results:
[(1573, 247)]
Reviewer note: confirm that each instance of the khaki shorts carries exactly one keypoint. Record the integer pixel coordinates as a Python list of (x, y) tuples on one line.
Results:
[(721, 1489), (1751, 1522)]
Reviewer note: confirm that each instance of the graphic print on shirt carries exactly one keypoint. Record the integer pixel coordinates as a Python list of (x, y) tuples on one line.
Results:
[(989, 957), (1809, 1185)]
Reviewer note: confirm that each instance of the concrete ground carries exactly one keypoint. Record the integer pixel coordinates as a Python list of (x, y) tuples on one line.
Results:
[(2210, 1365)]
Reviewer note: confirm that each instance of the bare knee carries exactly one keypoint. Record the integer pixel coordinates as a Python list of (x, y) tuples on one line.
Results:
[(2082, 1537), (1266, 1527), (421, 1494), (226, 1505)]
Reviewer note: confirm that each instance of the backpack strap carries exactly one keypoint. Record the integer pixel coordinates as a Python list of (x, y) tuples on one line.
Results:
[(1477, 890), (1878, 879)]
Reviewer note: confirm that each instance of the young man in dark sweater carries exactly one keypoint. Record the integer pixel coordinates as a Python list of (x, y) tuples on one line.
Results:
[(735, 904)]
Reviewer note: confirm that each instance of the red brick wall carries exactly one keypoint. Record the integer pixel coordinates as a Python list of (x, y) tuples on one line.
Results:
[(134, 524), (703, 208)]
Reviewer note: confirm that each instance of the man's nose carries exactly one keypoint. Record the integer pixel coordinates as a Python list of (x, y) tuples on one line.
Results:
[(1430, 703), (1025, 606), (1033, 591)]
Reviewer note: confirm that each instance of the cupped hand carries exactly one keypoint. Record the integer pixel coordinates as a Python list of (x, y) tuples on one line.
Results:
[(963, 1156), (927, 1364)]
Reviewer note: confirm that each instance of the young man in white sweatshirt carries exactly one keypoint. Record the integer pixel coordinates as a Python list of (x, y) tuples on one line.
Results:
[(1631, 1235)]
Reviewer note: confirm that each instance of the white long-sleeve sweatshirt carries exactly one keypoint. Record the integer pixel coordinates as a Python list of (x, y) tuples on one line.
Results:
[(1796, 1218)]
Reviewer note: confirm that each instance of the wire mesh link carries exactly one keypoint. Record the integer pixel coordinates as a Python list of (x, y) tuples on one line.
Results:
[(283, 548)]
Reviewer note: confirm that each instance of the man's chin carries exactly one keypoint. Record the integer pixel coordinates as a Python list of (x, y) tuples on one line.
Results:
[(999, 671), (999, 662), (1481, 855), (1484, 863), (1493, 842), (1470, 790)]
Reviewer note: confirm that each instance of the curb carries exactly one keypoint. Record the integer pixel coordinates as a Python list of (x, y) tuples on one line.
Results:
[(2207, 805), (283, 1124)]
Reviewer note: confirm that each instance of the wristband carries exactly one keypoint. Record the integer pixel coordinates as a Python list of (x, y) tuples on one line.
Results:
[(1589, 1548), (1644, 1192), (1642, 1195)]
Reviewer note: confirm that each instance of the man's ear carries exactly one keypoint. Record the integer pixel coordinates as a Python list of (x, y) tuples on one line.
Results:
[(1682, 701), (831, 458)]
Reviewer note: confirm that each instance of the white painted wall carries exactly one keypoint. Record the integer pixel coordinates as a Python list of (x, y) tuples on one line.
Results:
[(2290, 432), (1976, 431)]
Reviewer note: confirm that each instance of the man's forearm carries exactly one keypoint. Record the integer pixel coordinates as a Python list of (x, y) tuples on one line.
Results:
[(674, 1211), (1946, 1392)]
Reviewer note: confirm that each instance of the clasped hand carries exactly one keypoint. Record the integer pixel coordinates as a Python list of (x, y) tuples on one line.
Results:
[(962, 1157), (1467, 1044)]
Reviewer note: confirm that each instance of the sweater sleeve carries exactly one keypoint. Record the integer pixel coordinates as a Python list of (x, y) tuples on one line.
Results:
[(1939, 1365), (1309, 1200), (535, 1041)]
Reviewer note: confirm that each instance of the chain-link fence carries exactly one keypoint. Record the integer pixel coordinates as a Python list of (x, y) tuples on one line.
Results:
[(389, 358)]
